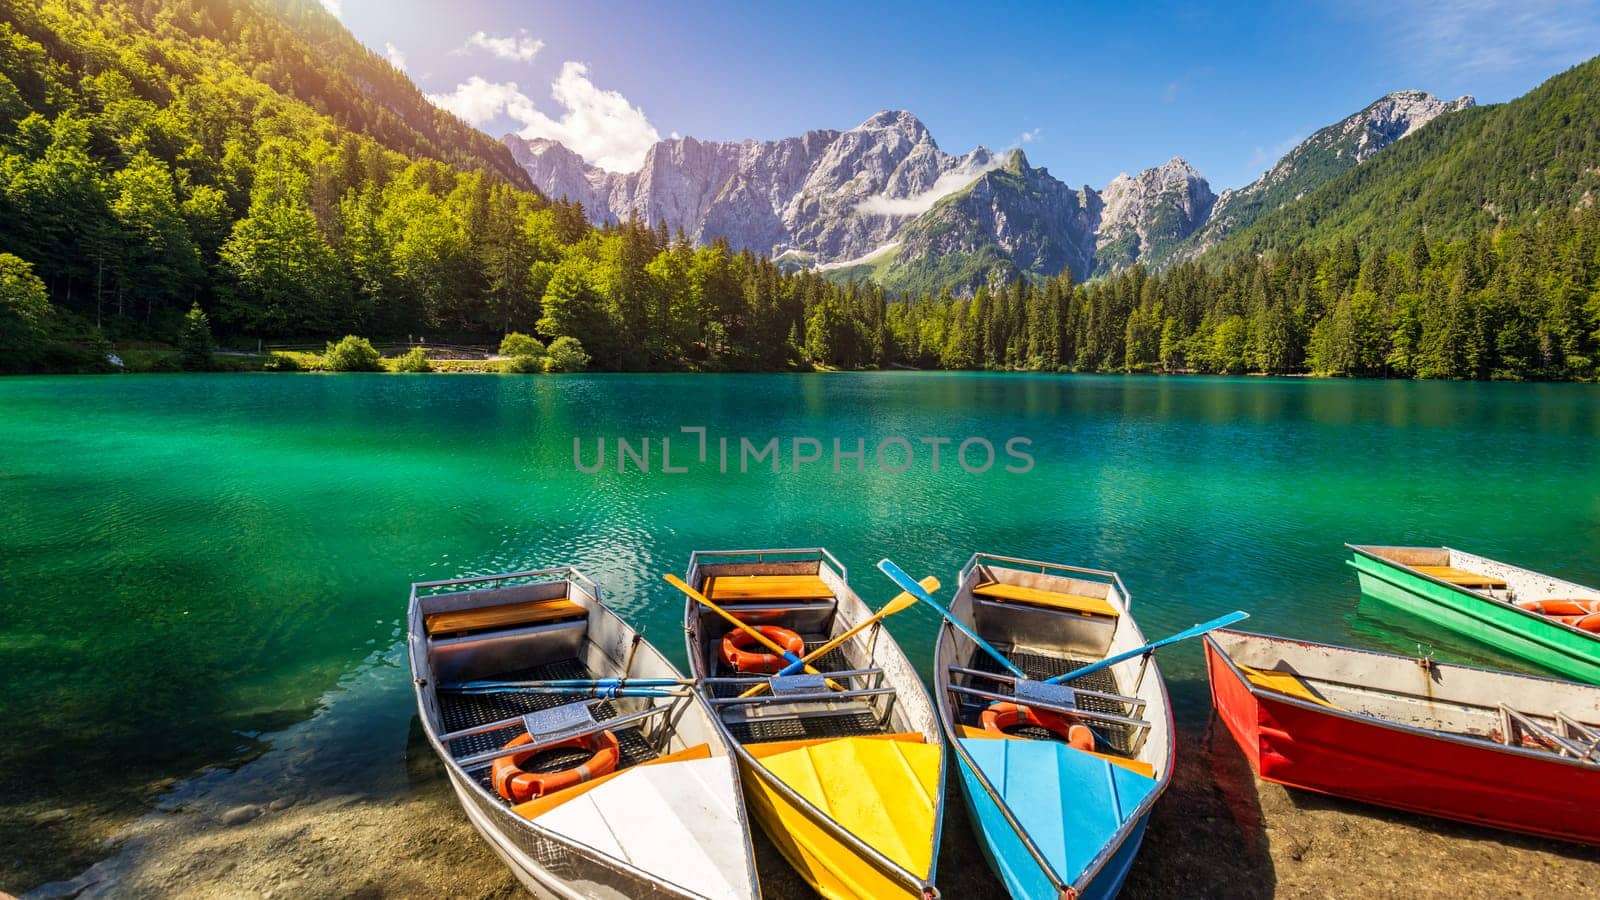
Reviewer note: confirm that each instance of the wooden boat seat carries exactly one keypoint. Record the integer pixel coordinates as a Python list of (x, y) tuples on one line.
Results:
[(1283, 683), (1132, 765), (1078, 603), (490, 618), (744, 588), (1461, 577)]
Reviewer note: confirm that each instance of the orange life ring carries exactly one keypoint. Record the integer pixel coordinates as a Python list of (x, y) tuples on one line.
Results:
[(1560, 607), (735, 654), (520, 786), (1589, 623), (1002, 715)]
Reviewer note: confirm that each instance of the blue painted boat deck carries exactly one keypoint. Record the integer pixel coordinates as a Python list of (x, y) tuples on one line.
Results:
[(1072, 805)]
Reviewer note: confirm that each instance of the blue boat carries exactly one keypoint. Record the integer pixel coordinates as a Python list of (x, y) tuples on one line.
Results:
[(1059, 773)]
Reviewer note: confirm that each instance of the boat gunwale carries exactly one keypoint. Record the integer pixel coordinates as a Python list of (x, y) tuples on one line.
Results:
[(422, 682), (1113, 845), (1463, 740), (822, 820), (1368, 551)]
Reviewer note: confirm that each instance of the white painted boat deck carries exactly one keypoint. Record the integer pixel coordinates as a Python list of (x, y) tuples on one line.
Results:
[(678, 821)]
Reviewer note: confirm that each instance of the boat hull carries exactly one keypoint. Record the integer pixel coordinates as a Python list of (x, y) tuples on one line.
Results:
[(832, 868), (1017, 869), (1500, 625), (1302, 745)]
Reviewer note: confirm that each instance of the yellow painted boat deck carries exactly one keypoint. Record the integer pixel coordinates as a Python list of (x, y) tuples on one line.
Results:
[(1011, 593), (488, 618), (883, 789), (1461, 577), (743, 588)]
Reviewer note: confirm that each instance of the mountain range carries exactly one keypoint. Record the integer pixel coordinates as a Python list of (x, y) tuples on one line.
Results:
[(883, 201)]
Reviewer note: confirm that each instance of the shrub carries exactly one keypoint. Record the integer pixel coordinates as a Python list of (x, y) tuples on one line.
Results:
[(352, 354), (415, 360), (194, 343), (518, 344), (24, 311), (524, 364), (280, 362), (566, 355)]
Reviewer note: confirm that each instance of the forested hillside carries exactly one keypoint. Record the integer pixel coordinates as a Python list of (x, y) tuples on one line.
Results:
[(1535, 157), (254, 161)]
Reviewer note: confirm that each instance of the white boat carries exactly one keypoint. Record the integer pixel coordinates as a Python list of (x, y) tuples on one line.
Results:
[(586, 788)]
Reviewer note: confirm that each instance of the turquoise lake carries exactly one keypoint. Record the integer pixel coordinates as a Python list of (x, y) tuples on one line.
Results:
[(192, 565)]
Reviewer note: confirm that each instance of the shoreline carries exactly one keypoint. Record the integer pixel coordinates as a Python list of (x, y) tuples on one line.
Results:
[(396, 829)]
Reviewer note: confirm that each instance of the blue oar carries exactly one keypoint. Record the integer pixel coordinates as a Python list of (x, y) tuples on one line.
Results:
[(910, 586), (606, 692), (647, 681), (1153, 646)]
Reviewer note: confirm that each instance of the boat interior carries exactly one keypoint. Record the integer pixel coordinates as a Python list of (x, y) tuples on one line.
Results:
[(1049, 620), (490, 649), (806, 592), (1482, 575), (1550, 716)]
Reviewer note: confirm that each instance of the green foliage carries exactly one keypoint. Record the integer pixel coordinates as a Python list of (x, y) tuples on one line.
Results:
[(527, 354), (1465, 173), (24, 306), (566, 355), (194, 343), (415, 360), (254, 159), (351, 354), (279, 362), (518, 344)]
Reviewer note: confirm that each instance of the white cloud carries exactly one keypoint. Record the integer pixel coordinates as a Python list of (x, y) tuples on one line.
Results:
[(480, 102), (520, 47), (1466, 36), (334, 7), (396, 58), (599, 125), (1030, 136), (917, 204)]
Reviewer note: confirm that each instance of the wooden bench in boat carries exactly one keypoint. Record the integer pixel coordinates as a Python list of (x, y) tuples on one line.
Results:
[(1286, 683), (489, 618), (1078, 603), (1132, 765), (744, 588), (1461, 577)]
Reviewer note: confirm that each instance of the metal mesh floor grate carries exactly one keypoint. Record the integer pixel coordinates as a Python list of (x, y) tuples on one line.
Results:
[(467, 710), (1040, 666), (843, 723)]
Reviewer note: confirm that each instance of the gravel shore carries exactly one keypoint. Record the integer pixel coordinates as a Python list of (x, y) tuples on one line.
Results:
[(1217, 832)]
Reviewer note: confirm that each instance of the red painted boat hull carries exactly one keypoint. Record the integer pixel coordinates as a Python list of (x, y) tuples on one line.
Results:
[(1367, 759)]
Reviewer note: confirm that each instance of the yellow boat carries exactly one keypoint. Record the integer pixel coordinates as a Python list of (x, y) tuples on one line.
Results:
[(844, 770)]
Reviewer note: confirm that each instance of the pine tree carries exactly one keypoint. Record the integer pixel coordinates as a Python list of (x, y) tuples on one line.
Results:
[(194, 343)]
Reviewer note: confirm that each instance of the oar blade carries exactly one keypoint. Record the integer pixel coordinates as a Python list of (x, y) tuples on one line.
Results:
[(1222, 621)]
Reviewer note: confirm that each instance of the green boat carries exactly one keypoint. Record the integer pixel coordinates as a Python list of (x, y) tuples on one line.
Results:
[(1489, 601)]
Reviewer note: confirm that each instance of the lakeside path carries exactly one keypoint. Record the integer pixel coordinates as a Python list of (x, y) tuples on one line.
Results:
[(352, 803)]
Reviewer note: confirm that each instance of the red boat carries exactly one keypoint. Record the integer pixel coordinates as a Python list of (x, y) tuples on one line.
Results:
[(1509, 751)]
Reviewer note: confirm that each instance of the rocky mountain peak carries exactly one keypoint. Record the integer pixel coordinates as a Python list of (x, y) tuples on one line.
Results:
[(901, 120), (1149, 212), (1392, 117), (883, 198)]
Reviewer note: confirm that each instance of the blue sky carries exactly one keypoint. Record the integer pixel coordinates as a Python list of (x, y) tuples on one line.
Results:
[(1087, 90)]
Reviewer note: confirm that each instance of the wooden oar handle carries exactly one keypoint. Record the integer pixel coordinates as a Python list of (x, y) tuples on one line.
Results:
[(770, 644)]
